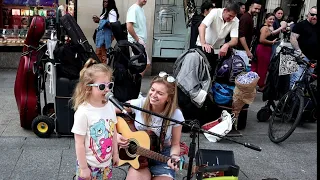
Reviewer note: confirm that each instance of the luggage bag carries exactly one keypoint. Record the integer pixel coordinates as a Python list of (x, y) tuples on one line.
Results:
[(77, 36)]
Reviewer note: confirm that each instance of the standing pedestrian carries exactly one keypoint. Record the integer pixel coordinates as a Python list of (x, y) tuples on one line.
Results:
[(304, 39), (104, 34), (278, 26), (242, 9), (137, 27), (213, 31), (205, 8), (264, 50), (246, 28)]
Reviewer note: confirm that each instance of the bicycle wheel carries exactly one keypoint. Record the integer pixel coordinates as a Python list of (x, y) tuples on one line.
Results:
[(286, 116)]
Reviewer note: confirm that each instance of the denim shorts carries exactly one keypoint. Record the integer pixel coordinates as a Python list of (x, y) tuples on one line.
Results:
[(96, 173), (162, 169)]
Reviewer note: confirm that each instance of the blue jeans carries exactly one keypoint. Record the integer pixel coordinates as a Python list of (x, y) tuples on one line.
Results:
[(162, 169), (296, 75)]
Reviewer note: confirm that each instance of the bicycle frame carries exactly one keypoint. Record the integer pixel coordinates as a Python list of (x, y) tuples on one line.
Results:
[(304, 82)]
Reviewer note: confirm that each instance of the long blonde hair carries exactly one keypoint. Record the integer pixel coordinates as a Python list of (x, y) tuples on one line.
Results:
[(171, 104), (87, 76)]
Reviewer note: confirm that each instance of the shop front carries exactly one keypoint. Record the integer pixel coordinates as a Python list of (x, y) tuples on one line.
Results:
[(171, 27), (171, 31), (15, 19)]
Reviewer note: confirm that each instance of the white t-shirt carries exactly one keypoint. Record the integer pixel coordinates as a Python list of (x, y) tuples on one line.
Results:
[(97, 124), (217, 29), (136, 16), (156, 121), (112, 17)]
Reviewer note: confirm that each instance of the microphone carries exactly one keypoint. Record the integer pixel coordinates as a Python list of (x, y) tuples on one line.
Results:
[(109, 96)]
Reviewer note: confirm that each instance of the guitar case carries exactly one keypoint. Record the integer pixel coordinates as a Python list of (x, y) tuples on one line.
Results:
[(25, 87), (74, 31)]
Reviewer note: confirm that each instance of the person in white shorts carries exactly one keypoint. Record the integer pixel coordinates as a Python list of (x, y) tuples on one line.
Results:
[(137, 27)]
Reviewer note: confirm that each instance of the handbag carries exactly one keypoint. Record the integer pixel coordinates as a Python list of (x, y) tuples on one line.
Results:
[(222, 93), (95, 35), (222, 127)]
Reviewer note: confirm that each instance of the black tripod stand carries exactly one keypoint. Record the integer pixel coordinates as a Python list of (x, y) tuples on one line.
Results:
[(194, 130)]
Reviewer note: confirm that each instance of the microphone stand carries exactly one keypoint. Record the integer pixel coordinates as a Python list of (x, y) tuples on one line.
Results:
[(194, 128)]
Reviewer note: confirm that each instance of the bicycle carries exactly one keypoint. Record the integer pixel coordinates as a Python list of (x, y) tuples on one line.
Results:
[(287, 113)]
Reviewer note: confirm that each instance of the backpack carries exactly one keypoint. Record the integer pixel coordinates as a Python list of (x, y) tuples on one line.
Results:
[(119, 31), (70, 62), (229, 68), (136, 63)]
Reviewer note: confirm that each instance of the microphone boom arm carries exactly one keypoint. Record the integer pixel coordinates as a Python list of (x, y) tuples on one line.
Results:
[(194, 128)]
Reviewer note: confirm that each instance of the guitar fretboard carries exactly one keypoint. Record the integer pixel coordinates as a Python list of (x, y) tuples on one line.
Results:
[(155, 156), (152, 155)]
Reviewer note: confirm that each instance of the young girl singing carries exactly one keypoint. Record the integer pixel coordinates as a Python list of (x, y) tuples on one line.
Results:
[(94, 123)]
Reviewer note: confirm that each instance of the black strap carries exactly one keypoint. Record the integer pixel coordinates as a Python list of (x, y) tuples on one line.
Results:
[(162, 135)]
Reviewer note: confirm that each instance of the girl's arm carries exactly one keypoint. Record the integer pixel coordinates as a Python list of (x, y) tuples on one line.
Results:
[(115, 141), (175, 143), (115, 152), (175, 148), (80, 151)]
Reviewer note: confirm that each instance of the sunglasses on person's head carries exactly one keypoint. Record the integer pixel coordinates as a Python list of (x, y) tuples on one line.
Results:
[(313, 14), (102, 86), (169, 78)]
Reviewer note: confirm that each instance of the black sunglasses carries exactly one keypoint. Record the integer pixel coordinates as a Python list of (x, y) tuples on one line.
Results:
[(102, 86), (313, 14)]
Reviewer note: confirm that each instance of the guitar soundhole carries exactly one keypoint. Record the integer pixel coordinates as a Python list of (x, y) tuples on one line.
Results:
[(132, 149)]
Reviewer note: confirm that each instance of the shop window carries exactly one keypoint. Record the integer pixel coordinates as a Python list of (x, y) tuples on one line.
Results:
[(167, 2), (16, 17), (167, 18)]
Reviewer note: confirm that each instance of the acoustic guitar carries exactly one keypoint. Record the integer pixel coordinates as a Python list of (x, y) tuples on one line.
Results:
[(139, 145)]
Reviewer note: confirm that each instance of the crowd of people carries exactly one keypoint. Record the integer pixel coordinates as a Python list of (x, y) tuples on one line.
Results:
[(95, 131), (230, 27)]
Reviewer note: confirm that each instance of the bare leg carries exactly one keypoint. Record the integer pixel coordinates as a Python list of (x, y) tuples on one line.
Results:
[(141, 174), (102, 54)]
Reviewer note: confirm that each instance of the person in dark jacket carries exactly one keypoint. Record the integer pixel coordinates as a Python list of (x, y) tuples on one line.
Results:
[(196, 21), (242, 9), (278, 26)]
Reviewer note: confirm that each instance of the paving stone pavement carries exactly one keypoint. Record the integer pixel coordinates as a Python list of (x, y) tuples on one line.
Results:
[(25, 156)]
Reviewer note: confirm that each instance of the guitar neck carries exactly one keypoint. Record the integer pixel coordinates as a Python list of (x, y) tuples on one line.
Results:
[(151, 154), (156, 156)]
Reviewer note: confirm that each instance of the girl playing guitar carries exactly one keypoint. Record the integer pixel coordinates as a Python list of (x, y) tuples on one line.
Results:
[(161, 99)]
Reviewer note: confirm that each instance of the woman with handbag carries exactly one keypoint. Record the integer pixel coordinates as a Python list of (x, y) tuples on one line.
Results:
[(103, 34), (264, 50)]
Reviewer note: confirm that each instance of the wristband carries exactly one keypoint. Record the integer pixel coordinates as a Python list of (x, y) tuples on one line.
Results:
[(181, 162)]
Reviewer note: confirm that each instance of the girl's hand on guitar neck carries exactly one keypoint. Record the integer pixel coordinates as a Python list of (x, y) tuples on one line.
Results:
[(173, 163), (122, 141)]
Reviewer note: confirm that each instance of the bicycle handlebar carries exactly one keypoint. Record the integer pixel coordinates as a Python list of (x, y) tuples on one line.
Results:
[(297, 56)]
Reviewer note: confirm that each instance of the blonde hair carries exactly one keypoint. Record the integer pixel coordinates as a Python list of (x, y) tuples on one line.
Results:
[(87, 76), (171, 104)]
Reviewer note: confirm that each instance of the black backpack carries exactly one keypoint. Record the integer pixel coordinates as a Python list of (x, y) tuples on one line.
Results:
[(228, 69), (70, 61)]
